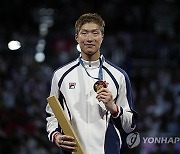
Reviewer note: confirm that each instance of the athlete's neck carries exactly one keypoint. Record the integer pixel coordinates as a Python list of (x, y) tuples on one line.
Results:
[(90, 57)]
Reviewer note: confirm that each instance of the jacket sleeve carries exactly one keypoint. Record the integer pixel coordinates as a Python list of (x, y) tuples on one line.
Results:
[(52, 124), (126, 119)]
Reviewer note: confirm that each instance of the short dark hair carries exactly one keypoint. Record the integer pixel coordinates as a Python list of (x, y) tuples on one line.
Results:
[(89, 18)]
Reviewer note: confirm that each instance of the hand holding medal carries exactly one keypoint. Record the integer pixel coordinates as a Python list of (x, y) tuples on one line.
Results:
[(105, 97), (97, 86), (103, 94)]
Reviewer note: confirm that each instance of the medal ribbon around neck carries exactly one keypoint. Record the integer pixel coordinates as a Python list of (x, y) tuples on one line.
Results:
[(100, 74)]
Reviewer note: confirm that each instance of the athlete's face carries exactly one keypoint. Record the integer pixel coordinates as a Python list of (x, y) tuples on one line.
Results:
[(90, 39)]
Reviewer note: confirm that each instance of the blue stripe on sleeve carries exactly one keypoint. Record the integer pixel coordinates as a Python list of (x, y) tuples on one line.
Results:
[(64, 75), (128, 85)]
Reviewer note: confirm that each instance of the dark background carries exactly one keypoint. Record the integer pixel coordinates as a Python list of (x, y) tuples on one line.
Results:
[(141, 36)]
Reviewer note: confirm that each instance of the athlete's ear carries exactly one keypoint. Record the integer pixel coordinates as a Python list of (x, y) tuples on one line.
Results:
[(76, 37), (102, 36)]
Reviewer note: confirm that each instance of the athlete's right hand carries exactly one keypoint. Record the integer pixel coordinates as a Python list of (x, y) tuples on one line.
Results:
[(65, 142)]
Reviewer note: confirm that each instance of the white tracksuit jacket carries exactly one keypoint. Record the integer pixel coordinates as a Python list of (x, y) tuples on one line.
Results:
[(98, 131)]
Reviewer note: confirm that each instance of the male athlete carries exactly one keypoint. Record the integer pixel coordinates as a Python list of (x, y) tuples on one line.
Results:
[(95, 95)]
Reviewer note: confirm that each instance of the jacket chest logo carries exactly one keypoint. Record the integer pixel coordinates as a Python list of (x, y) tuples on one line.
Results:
[(72, 85)]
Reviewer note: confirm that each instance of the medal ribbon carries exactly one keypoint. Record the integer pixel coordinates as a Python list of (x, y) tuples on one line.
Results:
[(100, 74)]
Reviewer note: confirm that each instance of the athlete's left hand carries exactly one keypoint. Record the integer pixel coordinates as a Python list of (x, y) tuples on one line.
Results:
[(106, 97)]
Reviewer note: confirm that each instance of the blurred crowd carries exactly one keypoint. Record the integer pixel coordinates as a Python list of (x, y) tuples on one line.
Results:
[(140, 37)]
